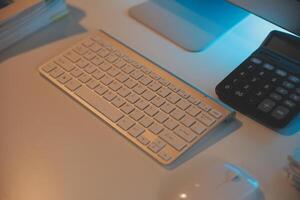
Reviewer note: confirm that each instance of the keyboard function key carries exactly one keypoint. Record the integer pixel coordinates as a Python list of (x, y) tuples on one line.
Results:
[(216, 114), (206, 119)]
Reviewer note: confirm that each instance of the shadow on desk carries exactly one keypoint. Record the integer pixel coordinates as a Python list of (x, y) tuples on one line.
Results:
[(217, 135), (63, 28)]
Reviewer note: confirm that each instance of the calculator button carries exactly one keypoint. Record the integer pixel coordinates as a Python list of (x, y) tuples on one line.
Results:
[(288, 85), (266, 105), (276, 96), (268, 66), (289, 103), (256, 60), (274, 80), (239, 94), (280, 112), (282, 91), (298, 90), (281, 73), (295, 98), (294, 79)]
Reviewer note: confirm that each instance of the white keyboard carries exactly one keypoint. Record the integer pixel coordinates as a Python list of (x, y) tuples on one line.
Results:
[(152, 108)]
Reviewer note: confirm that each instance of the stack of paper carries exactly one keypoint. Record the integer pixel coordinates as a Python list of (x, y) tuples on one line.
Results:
[(294, 169), (19, 18)]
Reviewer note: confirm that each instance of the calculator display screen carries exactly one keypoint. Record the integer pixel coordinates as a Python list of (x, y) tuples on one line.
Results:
[(285, 46)]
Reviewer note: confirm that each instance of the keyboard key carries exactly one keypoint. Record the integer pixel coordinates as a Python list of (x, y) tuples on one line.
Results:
[(155, 128), (80, 49), (282, 91), (92, 83), (73, 85), (173, 98), (136, 74), (98, 74), (120, 63), (103, 52), (173, 140), (122, 77), (99, 104), (118, 101), (193, 110), (109, 96), (167, 107), (101, 89), (143, 139), (123, 91), (288, 85), (76, 72), (49, 67), (280, 112), (256, 60), (90, 69), (148, 95), (145, 80), (127, 108), (136, 115), (95, 47), (151, 110), (146, 121), (139, 89), (188, 121), (163, 92), (185, 133), (171, 124), (132, 98), (130, 83), (112, 58), (97, 61), (154, 86), (89, 55), (136, 130), (128, 69), (82, 63), (275, 96), (216, 114), (177, 114), (161, 117), (268, 66), (183, 94), (294, 79), (55, 73), (65, 64), (106, 80), (126, 123), (113, 71), (266, 105), (165, 155), (289, 104), (115, 85), (105, 66), (281, 73), (156, 145), (183, 104), (295, 98), (198, 128), (72, 56), (206, 119), (158, 101)]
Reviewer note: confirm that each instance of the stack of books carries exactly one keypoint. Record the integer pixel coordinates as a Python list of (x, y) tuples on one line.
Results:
[(19, 18), (294, 169)]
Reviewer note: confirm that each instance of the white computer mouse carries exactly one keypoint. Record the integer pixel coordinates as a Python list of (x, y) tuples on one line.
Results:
[(223, 181)]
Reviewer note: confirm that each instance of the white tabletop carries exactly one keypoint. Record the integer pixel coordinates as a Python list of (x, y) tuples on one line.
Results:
[(53, 148)]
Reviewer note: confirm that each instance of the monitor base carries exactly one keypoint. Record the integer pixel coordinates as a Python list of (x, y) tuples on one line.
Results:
[(191, 24)]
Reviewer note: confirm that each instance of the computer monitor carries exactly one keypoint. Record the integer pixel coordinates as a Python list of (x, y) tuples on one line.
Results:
[(196, 24)]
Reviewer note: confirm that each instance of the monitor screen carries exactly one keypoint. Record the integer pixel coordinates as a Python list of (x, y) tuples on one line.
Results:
[(284, 13)]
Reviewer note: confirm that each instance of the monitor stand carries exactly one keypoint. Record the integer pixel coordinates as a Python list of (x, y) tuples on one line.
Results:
[(191, 24)]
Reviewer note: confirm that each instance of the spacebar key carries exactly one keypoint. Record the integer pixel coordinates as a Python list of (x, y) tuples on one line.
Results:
[(99, 104)]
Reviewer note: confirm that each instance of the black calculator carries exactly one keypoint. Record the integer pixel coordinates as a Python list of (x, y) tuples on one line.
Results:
[(266, 86)]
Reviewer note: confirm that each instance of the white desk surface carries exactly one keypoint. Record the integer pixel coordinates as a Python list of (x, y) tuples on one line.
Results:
[(53, 148)]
